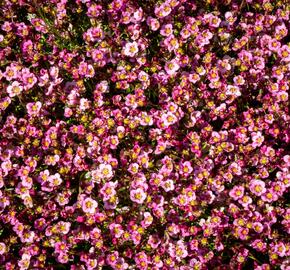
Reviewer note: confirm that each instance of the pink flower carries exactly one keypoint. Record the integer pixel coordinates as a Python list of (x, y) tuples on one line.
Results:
[(24, 262), (237, 192), (84, 104), (63, 258), (172, 67), (284, 53), (55, 180), (40, 224), (153, 23), (28, 79), (14, 89), (245, 201), (39, 25), (112, 258), (259, 245), (163, 10), (154, 241), (138, 195), (95, 233), (108, 190), (282, 96), (185, 168), (168, 119), (168, 185), (91, 264), (60, 247), (138, 15), (181, 200), (63, 227), (105, 171), (94, 10), (148, 219), (160, 148), (257, 187), (86, 70), (113, 141), (131, 49), (239, 80), (171, 43), (280, 31), (214, 21), (280, 249), (11, 72), (185, 32), (52, 160), (257, 138), (3, 248), (33, 108), (180, 250), (243, 233), (4, 103), (258, 227), (27, 182), (89, 206), (116, 230), (43, 176), (286, 180), (133, 168), (146, 120), (143, 76), (27, 237), (269, 196), (235, 168), (131, 101), (233, 91), (277, 73), (274, 45), (166, 30)]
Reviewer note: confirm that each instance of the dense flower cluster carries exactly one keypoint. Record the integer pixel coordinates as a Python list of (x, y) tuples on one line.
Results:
[(143, 134)]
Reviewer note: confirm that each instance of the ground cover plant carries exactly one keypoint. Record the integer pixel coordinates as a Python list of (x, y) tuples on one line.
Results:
[(144, 134)]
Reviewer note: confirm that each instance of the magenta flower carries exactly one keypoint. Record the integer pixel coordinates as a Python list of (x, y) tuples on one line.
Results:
[(144, 134)]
